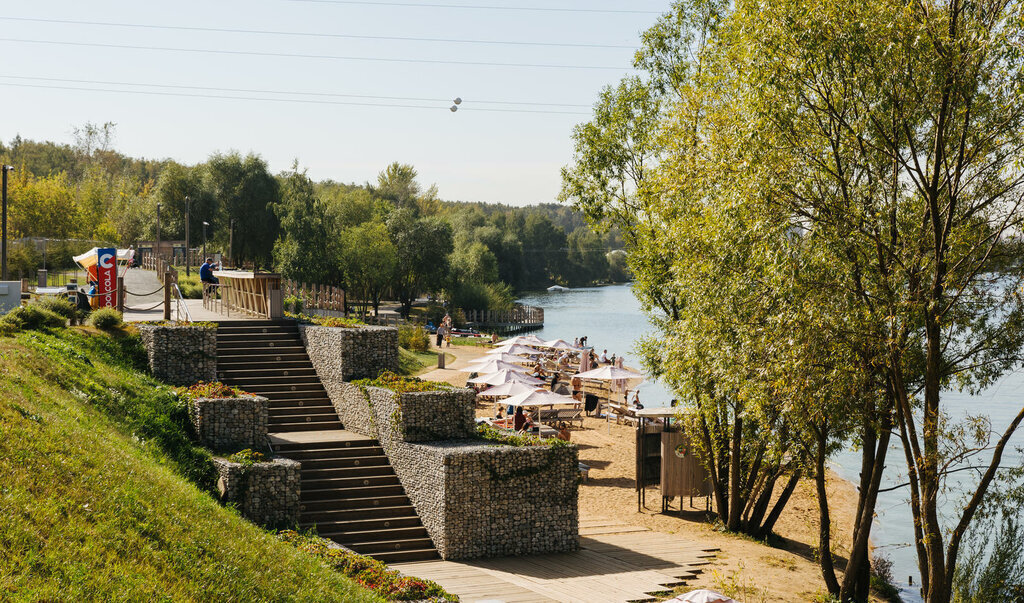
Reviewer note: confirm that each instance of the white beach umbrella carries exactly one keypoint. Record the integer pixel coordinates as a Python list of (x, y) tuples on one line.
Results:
[(489, 365), (522, 340), (702, 596), (560, 344), (505, 376), (609, 373), (511, 388), (517, 349), (539, 397), (503, 357)]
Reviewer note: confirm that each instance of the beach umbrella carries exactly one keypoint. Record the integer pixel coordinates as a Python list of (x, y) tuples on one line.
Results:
[(489, 365), (584, 361), (609, 373), (539, 397), (559, 344), (511, 388), (523, 340), (517, 349), (619, 385), (505, 376), (503, 357), (702, 596)]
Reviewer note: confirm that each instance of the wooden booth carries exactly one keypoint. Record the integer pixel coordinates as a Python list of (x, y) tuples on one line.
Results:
[(665, 458)]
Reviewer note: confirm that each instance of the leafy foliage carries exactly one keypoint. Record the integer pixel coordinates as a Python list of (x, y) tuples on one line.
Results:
[(105, 319), (32, 317), (402, 384), (413, 338), (212, 390)]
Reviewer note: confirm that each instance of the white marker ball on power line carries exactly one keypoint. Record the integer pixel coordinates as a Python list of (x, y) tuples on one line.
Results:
[(458, 100), (454, 108)]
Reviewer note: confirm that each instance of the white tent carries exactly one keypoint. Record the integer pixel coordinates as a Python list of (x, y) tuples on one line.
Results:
[(609, 373), (560, 344), (488, 365), (517, 349), (511, 388), (538, 398), (522, 340), (503, 357), (505, 376)]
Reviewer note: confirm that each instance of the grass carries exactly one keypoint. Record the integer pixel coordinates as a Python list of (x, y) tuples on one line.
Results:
[(481, 342), (413, 363), (91, 506)]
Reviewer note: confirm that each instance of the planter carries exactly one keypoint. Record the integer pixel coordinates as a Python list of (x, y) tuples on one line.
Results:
[(265, 493), (230, 424)]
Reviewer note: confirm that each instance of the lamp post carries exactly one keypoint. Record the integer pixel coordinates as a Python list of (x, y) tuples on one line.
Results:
[(3, 248), (205, 224), (188, 202), (231, 243)]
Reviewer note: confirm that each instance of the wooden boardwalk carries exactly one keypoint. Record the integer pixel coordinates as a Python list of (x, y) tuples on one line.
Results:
[(615, 563)]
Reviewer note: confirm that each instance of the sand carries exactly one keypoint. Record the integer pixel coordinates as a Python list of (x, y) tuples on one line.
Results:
[(748, 570)]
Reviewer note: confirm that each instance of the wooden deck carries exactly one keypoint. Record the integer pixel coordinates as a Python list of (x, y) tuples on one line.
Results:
[(615, 563)]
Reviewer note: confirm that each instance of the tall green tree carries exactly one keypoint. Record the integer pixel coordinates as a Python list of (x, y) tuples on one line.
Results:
[(306, 251), (246, 193), (422, 247)]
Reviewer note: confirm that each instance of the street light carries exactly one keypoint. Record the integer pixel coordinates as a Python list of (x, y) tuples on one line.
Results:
[(231, 243), (157, 254), (3, 248), (188, 202), (205, 224)]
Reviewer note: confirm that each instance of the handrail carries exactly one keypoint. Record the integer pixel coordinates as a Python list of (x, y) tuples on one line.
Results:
[(180, 303)]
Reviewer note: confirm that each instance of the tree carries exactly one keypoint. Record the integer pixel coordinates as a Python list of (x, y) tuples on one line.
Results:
[(422, 247), (246, 192), (369, 261), (306, 250), (397, 184), (175, 183)]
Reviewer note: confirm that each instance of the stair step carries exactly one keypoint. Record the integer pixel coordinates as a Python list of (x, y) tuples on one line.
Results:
[(334, 515), (361, 492), (363, 450), (312, 426), (231, 338), (352, 504), (280, 384), (346, 472), (329, 529), (325, 408), (374, 536), (262, 361), (235, 347), (367, 481), (296, 395), (384, 546), (277, 418), (267, 373), (407, 555), (257, 322), (340, 463)]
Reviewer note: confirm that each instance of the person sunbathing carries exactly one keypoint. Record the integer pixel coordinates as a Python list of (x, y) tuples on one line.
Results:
[(521, 421)]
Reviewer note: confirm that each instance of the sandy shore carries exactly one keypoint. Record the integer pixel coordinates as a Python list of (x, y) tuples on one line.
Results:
[(754, 571)]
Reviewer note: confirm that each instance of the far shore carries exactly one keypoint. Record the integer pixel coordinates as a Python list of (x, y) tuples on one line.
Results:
[(788, 573)]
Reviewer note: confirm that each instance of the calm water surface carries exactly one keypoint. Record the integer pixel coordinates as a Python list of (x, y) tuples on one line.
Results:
[(611, 319)]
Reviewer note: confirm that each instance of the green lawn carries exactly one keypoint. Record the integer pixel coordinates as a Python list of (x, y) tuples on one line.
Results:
[(92, 506), (413, 363)]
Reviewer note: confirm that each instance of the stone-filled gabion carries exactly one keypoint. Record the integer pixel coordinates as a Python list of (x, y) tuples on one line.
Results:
[(476, 499), (266, 493), (415, 417), (181, 355), (340, 354), (230, 423)]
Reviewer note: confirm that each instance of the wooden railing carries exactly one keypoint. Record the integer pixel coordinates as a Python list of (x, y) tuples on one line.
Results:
[(315, 297), (519, 318), (256, 294)]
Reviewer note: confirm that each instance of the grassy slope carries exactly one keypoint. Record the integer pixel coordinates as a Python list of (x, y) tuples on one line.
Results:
[(89, 511)]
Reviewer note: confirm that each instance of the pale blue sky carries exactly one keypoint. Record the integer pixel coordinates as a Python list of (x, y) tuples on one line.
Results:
[(472, 155)]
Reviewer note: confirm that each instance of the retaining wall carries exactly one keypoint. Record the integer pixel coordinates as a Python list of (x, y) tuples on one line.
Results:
[(342, 354), (230, 424), (181, 355), (476, 499), (265, 493)]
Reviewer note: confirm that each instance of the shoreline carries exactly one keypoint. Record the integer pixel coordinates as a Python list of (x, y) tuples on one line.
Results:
[(767, 573)]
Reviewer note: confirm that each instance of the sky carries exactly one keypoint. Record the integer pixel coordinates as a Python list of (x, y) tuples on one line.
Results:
[(164, 85)]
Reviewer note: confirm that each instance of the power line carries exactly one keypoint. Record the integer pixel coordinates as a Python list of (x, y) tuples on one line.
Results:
[(290, 92), (282, 100), (480, 7), (311, 34), (305, 56)]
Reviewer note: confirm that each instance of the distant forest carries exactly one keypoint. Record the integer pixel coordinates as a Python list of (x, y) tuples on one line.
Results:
[(390, 239)]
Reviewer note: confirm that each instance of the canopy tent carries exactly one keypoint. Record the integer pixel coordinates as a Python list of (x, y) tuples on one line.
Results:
[(488, 365), (511, 388), (538, 398), (505, 376), (560, 344), (522, 340), (609, 373), (89, 258), (517, 349)]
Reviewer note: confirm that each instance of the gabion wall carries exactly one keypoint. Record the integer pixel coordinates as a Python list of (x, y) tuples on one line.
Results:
[(352, 406), (265, 493), (181, 355), (417, 417), (346, 354), (230, 424), (475, 499)]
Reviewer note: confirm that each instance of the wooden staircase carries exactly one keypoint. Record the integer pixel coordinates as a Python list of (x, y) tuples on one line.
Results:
[(351, 495), (268, 358), (349, 492)]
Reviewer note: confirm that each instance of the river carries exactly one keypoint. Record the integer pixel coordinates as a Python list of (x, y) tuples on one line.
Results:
[(611, 319)]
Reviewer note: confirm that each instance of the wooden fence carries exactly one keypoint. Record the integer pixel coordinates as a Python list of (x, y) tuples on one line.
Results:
[(519, 318), (316, 297)]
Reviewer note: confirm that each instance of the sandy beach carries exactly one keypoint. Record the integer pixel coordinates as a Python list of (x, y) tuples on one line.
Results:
[(755, 571)]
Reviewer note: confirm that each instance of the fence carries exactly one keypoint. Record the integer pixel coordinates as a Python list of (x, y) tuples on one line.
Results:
[(316, 297), (519, 318)]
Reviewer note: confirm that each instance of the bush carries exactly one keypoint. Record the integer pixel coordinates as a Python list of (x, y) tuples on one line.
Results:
[(294, 304), (413, 338), (32, 318), (58, 305), (105, 319)]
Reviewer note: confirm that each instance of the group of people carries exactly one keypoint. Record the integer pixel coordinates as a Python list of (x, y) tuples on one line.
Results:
[(444, 331)]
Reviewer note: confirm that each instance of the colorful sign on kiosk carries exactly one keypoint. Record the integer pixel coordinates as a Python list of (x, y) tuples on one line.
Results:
[(101, 264)]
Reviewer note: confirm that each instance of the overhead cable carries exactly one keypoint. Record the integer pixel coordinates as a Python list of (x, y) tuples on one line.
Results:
[(486, 7)]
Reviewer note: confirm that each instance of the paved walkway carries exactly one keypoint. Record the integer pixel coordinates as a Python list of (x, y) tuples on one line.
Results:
[(615, 563), (145, 299)]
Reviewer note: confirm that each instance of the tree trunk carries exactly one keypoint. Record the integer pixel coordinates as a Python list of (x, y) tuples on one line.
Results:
[(828, 571), (735, 477)]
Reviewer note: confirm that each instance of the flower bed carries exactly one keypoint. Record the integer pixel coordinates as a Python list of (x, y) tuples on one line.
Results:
[(372, 574), (401, 385), (226, 418)]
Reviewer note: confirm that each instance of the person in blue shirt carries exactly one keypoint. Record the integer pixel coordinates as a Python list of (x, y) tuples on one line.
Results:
[(206, 273)]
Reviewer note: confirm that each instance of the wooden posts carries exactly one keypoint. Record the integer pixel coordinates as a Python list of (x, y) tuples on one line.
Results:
[(168, 283), (120, 294)]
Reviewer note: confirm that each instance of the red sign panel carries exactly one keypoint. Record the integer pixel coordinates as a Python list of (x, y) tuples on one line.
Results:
[(106, 277)]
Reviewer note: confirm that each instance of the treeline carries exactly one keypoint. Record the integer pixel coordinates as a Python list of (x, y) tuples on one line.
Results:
[(390, 239)]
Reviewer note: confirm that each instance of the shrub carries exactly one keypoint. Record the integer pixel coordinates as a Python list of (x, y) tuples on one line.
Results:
[(32, 318), (212, 389), (413, 338), (247, 456), (294, 304), (105, 319), (58, 305), (400, 384)]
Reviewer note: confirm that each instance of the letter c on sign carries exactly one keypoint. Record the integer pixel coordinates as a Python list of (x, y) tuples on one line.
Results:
[(105, 260)]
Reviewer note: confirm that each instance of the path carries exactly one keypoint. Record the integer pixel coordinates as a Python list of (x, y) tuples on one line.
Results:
[(615, 562), (145, 299)]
